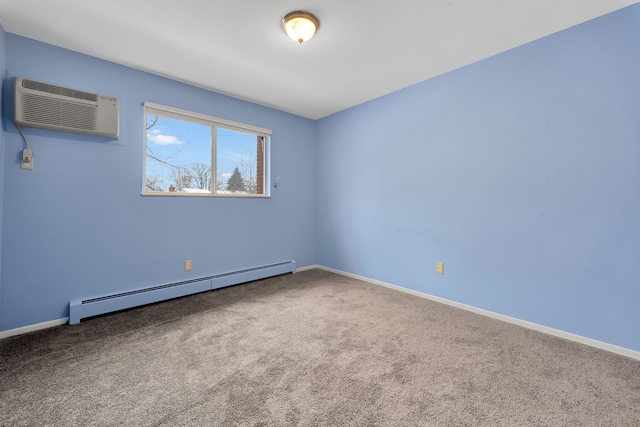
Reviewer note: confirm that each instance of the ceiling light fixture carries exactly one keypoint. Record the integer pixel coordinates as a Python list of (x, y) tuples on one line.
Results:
[(300, 26)]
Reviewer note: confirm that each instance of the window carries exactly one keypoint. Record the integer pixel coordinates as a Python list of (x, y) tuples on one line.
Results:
[(193, 154)]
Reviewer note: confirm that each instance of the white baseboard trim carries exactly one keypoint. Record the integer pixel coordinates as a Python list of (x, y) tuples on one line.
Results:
[(526, 324), (31, 328), (513, 320), (309, 267)]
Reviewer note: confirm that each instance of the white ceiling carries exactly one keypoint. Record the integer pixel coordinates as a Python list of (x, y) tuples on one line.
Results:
[(364, 48)]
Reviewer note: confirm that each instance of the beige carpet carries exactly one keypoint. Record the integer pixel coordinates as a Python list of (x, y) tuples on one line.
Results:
[(310, 349)]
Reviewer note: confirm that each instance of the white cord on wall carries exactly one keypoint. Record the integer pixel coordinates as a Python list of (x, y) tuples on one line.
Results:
[(26, 161)]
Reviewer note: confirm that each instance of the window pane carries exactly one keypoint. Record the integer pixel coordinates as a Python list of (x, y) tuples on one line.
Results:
[(178, 156), (180, 148), (239, 162)]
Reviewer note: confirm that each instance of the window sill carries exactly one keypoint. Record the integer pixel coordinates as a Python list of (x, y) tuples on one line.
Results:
[(216, 196)]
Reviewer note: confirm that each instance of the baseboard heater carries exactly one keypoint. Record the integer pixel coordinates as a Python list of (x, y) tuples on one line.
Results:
[(80, 309)]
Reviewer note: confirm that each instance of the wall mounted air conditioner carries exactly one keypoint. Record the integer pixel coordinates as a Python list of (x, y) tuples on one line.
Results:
[(45, 106)]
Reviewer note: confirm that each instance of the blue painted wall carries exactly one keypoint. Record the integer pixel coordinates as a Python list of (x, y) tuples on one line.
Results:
[(77, 226), (520, 172), (3, 67)]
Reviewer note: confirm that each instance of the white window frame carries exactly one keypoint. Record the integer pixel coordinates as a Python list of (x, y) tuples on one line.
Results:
[(214, 123)]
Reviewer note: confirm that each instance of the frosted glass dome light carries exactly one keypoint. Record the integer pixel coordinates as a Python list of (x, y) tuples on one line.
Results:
[(300, 26)]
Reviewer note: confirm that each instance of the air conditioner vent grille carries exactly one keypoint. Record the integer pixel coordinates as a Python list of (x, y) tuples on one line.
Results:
[(71, 93), (58, 113), (50, 107)]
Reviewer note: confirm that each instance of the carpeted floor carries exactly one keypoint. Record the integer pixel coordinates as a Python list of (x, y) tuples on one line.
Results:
[(310, 349)]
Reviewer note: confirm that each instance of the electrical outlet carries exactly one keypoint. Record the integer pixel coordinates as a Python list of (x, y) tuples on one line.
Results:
[(440, 267), (187, 265), (26, 160)]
